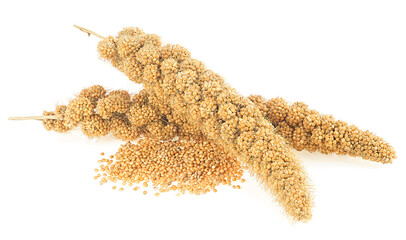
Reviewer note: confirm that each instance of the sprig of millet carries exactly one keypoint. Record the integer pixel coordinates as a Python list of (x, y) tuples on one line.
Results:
[(185, 88)]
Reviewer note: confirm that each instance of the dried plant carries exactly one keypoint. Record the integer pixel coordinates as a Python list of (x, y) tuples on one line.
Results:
[(183, 99)]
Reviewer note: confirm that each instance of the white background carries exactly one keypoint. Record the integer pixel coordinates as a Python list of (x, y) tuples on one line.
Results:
[(345, 58)]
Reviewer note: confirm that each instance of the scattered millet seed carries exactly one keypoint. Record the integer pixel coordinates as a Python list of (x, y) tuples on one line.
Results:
[(136, 188), (121, 189), (144, 192), (157, 194), (180, 165), (114, 187), (102, 154)]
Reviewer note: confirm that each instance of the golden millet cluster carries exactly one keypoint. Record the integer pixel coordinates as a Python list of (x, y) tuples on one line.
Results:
[(304, 128), (196, 167), (185, 88)]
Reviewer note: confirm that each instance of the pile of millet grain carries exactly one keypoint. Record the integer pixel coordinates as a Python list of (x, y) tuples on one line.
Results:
[(184, 166)]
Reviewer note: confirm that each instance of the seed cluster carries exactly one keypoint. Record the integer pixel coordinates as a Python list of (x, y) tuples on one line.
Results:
[(185, 88), (196, 167), (304, 128)]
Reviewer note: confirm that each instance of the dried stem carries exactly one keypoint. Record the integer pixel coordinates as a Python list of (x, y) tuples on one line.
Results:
[(89, 32), (34, 117)]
